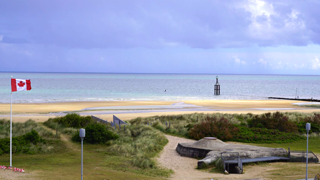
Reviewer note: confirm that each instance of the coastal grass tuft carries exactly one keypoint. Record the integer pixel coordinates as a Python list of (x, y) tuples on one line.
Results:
[(28, 138), (140, 144)]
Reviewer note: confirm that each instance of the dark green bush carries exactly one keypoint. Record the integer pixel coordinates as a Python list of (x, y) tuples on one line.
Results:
[(21, 144), (275, 120), (314, 121), (96, 133), (224, 130), (213, 127), (70, 120)]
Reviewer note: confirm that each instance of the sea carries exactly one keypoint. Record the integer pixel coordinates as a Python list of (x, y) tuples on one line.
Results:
[(73, 87)]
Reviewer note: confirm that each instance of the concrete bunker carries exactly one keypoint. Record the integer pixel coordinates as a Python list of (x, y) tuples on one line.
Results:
[(211, 148)]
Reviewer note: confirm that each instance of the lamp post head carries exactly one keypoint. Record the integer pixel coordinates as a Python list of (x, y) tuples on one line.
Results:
[(308, 126), (82, 133)]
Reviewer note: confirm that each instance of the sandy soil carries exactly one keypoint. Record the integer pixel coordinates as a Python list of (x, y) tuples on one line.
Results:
[(72, 106), (10, 174), (244, 104), (39, 112), (185, 167)]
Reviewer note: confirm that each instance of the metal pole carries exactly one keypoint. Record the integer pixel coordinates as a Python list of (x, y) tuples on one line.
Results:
[(308, 127), (81, 158), (307, 156), (11, 130), (82, 134)]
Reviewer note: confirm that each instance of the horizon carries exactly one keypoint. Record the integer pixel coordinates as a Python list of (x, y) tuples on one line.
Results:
[(217, 74)]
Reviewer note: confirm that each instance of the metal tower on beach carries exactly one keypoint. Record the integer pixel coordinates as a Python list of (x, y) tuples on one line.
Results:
[(217, 87)]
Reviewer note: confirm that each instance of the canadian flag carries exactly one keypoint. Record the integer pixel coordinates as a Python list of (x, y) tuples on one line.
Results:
[(20, 85)]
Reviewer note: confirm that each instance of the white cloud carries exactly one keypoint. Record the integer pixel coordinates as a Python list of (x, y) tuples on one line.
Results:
[(1, 37), (262, 61), (238, 61), (315, 63), (259, 8)]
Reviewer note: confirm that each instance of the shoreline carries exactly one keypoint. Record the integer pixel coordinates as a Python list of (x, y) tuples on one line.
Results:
[(127, 110)]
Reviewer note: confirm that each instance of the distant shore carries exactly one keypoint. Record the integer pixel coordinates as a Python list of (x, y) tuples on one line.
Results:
[(131, 109)]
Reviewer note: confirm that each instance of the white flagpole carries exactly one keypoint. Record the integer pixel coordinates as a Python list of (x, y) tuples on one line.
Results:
[(11, 129)]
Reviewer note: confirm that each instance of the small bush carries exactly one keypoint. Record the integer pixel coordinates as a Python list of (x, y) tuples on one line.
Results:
[(70, 120), (96, 134), (213, 127), (22, 144), (276, 120), (313, 120)]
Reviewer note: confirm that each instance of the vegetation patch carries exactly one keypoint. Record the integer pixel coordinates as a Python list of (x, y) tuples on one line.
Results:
[(70, 120), (265, 128), (136, 144), (140, 144), (96, 133), (28, 138)]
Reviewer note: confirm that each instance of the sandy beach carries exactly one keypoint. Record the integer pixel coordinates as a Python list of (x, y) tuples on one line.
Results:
[(127, 110)]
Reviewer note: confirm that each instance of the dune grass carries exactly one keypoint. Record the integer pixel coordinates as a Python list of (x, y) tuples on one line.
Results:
[(19, 129), (47, 143)]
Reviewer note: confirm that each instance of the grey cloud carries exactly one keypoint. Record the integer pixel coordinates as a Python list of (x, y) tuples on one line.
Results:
[(154, 24)]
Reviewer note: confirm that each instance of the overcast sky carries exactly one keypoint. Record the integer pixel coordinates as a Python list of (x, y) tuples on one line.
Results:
[(161, 36)]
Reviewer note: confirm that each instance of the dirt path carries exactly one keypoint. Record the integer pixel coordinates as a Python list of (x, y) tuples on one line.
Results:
[(185, 168)]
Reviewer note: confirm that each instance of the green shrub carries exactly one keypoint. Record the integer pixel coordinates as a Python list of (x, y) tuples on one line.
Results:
[(22, 144), (224, 130), (313, 120), (213, 127), (70, 120), (96, 133), (275, 120)]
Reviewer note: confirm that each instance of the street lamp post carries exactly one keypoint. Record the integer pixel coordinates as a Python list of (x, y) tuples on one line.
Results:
[(308, 127), (82, 134)]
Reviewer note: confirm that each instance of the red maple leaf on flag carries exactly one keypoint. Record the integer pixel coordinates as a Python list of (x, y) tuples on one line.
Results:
[(21, 84)]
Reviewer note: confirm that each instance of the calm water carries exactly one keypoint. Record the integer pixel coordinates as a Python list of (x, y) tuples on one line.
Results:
[(58, 87)]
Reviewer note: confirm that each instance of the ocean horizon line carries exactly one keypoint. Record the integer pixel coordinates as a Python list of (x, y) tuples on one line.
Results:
[(157, 73)]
